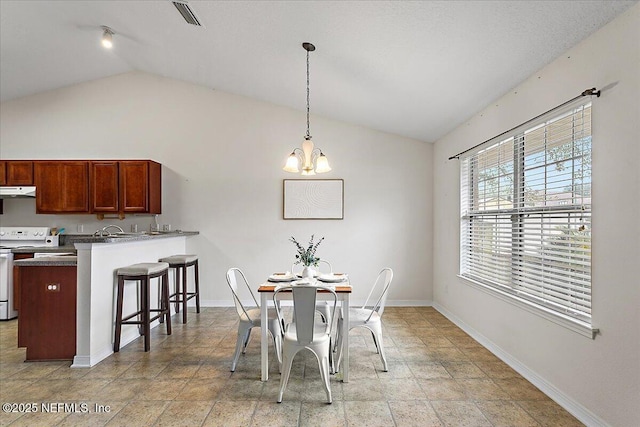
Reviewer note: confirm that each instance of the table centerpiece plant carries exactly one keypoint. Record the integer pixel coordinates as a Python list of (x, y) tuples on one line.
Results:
[(307, 256)]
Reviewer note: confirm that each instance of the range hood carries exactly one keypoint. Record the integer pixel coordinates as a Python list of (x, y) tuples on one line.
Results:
[(17, 192)]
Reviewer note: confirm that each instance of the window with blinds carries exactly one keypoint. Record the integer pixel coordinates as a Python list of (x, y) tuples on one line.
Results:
[(526, 213)]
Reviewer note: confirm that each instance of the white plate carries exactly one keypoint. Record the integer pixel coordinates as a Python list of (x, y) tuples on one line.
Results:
[(332, 278), (281, 278)]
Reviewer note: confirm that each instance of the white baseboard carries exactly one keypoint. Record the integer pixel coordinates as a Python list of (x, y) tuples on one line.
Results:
[(390, 303), (574, 408)]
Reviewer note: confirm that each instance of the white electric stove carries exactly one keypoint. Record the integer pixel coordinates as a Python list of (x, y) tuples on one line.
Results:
[(10, 238)]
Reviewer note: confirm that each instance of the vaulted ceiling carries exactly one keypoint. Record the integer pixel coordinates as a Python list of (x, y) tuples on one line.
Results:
[(416, 69)]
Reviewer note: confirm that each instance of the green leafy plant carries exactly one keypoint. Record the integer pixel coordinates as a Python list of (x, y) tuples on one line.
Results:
[(307, 256)]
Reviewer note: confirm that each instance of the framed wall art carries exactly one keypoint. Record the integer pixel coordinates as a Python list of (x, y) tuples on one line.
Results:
[(313, 199)]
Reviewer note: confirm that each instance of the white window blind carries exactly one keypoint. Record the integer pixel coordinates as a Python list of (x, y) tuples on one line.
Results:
[(526, 213)]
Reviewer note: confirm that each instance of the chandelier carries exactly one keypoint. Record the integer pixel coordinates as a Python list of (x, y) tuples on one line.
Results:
[(312, 159)]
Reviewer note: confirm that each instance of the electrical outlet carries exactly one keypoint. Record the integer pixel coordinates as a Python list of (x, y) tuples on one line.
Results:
[(53, 287)]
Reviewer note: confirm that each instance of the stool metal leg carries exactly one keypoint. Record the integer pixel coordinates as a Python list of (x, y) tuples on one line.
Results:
[(184, 292), (166, 306), (146, 312), (197, 283), (116, 341)]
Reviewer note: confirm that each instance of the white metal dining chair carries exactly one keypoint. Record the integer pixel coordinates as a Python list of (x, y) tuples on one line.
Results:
[(324, 267), (369, 316), (306, 333), (250, 318)]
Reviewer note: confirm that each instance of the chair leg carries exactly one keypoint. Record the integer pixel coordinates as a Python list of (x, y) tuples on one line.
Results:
[(239, 346), (338, 348), (377, 333), (287, 361), (323, 364), (247, 338)]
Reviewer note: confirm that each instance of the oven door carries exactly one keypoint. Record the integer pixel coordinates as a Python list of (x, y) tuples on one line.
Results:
[(6, 286)]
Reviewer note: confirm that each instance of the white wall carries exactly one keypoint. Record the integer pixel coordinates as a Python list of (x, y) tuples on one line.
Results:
[(598, 380), (222, 159)]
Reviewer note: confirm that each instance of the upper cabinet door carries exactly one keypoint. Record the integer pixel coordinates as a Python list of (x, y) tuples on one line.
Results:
[(19, 172), (134, 186), (140, 186), (103, 177), (16, 172), (62, 186)]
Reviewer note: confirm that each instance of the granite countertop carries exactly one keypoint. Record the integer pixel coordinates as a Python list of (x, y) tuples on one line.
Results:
[(70, 239), (49, 261), (47, 249)]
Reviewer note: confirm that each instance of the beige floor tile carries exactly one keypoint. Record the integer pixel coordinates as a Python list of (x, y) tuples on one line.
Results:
[(428, 370), (96, 415), (141, 413), (414, 413), (368, 413), (402, 389), (498, 370), (178, 414), (460, 414), (549, 414), (200, 389), (463, 370), (442, 389), (482, 389), (230, 414), (144, 370), (321, 414), (242, 389), (272, 414), (506, 414), (520, 389), (363, 390)]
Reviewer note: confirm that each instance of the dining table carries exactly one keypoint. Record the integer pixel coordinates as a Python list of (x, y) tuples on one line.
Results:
[(343, 292)]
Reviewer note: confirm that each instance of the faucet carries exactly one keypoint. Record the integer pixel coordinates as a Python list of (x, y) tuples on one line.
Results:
[(104, 229)]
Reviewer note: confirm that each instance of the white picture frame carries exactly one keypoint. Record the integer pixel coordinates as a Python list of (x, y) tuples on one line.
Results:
[(313, 199)]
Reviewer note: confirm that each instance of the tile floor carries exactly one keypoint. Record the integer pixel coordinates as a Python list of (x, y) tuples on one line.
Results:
[(438, 376)]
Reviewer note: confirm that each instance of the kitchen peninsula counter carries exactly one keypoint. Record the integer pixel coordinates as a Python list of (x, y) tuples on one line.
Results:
[(98, 259)]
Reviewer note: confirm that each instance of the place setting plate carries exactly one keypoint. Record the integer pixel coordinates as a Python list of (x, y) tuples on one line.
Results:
[(281, 277), (333, 278)]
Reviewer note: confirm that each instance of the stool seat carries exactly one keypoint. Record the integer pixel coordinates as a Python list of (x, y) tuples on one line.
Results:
[(179, 259), (142, 269)]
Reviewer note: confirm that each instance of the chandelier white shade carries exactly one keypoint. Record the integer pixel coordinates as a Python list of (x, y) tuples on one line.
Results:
[(107, 37), (310, 158)]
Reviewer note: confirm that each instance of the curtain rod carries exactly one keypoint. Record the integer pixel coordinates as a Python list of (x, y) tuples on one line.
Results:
[(587, 92)]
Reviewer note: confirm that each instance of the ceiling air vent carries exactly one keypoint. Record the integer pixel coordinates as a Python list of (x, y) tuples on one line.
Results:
[(186, 12)]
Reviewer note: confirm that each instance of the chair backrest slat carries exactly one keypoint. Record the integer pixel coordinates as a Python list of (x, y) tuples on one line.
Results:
[(304, 309), (233, 275), (381, 285)]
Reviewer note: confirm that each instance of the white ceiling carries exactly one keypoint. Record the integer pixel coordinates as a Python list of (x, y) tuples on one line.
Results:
[(416, 69)]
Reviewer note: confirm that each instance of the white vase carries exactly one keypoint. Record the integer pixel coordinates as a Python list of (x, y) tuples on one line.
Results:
[(308, 272)]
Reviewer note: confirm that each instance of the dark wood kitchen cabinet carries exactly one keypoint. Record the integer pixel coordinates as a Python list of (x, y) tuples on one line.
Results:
[(126, 186), (61, 186), (16, 172), (47, 321)]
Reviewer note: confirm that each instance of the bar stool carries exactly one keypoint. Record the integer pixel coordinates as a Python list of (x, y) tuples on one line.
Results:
[(181, 295), (142, 274)]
